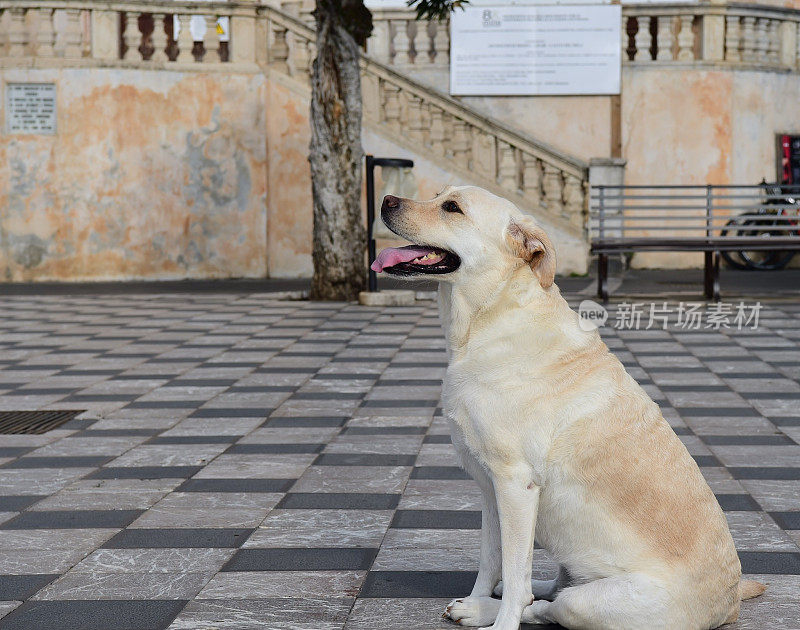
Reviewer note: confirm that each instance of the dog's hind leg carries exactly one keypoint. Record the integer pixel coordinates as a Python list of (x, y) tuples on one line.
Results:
[(627, 602), (543, 589)]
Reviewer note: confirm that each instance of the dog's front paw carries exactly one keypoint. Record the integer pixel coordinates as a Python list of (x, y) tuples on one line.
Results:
[(473, 611)]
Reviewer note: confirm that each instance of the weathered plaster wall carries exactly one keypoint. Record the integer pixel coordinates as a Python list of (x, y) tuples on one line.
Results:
[(703, 126), (152, 174)]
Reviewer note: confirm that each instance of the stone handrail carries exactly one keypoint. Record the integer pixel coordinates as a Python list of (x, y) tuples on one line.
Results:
[(537, 177)]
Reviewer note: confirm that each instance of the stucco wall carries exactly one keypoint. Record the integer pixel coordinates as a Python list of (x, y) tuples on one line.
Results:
[(152, 174)]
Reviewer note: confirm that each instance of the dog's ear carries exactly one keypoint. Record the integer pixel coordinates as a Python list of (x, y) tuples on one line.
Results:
[(529, 242)]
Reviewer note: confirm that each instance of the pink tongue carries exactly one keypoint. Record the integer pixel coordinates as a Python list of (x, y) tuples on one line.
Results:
[(392, 256)]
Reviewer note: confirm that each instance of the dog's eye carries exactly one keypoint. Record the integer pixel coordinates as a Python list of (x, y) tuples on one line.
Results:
[(451, 206)]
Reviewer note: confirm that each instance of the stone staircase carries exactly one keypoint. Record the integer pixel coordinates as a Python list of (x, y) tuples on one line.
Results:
[(476, 149)]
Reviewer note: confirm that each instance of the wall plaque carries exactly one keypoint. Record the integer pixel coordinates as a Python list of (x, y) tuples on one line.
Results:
[(31, 108)]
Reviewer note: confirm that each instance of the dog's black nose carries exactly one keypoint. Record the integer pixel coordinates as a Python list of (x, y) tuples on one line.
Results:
[(391, 202)]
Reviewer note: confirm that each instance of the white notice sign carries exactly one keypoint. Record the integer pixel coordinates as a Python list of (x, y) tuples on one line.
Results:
[(535, 50), (31, 108)]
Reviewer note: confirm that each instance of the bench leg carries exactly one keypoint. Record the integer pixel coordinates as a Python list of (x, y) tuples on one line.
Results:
[(602, 277), (711, 276)]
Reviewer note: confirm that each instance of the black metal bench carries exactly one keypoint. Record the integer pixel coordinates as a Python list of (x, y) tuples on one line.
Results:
[(708, 219)]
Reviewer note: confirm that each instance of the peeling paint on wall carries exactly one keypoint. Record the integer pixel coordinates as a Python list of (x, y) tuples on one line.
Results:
[(151, 175)]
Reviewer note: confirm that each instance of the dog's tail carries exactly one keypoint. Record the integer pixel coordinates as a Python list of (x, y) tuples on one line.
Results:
[(750, 588)]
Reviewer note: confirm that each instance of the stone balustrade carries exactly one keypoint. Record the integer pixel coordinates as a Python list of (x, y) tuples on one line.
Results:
[(651, 33), (725, 35), (537, 177), (126, 33)]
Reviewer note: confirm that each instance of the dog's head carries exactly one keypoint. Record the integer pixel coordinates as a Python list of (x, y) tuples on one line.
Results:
[(461, 233)]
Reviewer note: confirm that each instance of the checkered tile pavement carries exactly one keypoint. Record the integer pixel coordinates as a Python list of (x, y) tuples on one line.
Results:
[(250, 463)]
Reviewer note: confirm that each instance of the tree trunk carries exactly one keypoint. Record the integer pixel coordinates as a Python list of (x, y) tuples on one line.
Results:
[(336, 155)]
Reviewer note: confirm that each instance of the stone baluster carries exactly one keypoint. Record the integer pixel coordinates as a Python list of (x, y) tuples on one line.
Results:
[(17, 33), (573, 199), (301, 59), (45, 34), (380, 42), (732, 38), (185, 40), (787, 33), (370, 94), (391, 106), (797, 43), (749, 54), (211, 41), (461, 142), (484, 154), (279, 51), (69, 37), (773, 42), (643, 39), (761, 43), (415, 120), (507, 166), (665, 38), (159, 39), (132, 37), (686, 39), (437, 133), (402, 44), (551, 184), (531, 177), (441, 43)]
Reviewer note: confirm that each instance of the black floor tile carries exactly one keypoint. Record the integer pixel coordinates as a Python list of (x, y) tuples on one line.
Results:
[(235, 485), (738, 503), (239, 412), (20, 587), (135, 538), (733, 412), (298, 559), (439, 472), (784, 473), (93, 615), (305, 422), (338, 501), (274, 449), (436, 519), (772, 562), (193, 439), (398, 584), (357, 459), (17, 503), (145, 472), (706, 461), (81, 461), (787, 520), (116, 432), (399, 403), (162, 404), (437, 439), (747, 440), (14, 451), (72, 519), (384, 430)]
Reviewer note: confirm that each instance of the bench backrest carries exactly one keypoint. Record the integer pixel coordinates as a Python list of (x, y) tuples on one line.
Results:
[(677, 212)]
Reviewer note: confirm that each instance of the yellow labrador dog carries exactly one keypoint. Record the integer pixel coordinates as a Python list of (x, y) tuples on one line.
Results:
[(561, 440)]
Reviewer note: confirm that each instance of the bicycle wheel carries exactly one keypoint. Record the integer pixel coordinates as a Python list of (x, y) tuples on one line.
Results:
[(763, 260), (733, 259)]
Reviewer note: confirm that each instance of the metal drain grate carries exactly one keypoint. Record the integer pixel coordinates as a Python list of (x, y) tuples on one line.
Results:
[(35, 421)]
